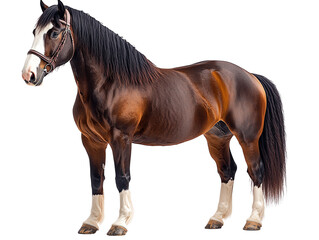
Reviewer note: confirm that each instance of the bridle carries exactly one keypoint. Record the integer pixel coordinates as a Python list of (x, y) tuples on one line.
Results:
[(51, 62)]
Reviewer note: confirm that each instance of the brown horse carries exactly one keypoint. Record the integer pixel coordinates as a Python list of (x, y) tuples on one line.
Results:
[(123, 99)]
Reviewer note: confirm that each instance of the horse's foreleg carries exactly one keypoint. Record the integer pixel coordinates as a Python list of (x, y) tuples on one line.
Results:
[(96, 153), (121, 146)]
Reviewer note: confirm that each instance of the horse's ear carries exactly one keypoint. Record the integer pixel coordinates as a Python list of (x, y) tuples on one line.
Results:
[(43, 6), (61, 8)]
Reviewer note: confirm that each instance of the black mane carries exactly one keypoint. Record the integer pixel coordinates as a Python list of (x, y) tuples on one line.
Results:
[(121, 61)]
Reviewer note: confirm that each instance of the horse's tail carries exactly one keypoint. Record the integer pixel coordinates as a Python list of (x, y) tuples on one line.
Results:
[(272, 145)]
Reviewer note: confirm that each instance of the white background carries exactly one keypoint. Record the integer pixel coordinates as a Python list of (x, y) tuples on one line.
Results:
[(44, 170)]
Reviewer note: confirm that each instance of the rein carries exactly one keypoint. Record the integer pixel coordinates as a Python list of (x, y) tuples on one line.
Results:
[(51, 62)]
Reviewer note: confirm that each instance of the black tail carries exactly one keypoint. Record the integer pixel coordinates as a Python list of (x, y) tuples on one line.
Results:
[(272, 144)]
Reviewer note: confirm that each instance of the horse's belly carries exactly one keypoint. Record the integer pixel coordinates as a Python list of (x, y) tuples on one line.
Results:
[(160, 130), (160, 140)]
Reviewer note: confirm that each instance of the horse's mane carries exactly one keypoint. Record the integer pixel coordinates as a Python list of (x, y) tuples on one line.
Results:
[(121, 61)]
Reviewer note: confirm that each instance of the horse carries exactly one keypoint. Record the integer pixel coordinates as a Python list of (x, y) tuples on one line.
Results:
[(123, 98)]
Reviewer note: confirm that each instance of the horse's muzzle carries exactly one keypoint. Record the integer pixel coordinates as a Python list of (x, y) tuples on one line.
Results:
[(41, 73)]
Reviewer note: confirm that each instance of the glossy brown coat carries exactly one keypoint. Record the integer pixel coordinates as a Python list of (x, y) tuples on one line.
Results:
[(183, 103), (123, 99)]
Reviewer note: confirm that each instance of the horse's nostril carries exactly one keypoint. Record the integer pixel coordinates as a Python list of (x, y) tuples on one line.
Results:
[(26, 81), (32, 76), (32, 79)]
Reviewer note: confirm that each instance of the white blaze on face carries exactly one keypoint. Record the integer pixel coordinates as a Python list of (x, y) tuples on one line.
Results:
[(32, 61)]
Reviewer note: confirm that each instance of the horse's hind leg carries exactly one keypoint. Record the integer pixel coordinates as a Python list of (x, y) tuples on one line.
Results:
[(248, 137), (255, 171), (218, 139), (245, 119)]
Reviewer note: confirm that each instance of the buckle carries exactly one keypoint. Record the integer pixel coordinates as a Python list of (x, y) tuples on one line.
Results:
[(45, 68)]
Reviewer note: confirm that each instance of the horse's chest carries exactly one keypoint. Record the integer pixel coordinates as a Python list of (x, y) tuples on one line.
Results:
[(88, 124)]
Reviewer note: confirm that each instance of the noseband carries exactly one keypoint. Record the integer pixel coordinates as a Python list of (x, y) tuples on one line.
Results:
[(51, 62)]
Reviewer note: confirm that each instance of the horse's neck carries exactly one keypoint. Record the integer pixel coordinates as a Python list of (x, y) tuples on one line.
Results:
[(88, 73), (93, 74)]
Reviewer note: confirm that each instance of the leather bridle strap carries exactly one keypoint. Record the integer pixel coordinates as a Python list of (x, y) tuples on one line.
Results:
[(51, 62)]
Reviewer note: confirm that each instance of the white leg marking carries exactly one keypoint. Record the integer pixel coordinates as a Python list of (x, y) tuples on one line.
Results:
[(126, 209), (97, 211), (258, 205), (225, 202), (32, 61)]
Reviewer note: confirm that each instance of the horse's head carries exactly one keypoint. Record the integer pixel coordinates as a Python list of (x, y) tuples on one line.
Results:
[(53, 44)]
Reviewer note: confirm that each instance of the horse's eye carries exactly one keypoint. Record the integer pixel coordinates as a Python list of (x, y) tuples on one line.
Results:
[(54, 34)]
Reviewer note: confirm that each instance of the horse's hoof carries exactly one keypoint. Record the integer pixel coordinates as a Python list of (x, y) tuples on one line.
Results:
[(87, 229), (213, 224), (117, 231), (252, 226)]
